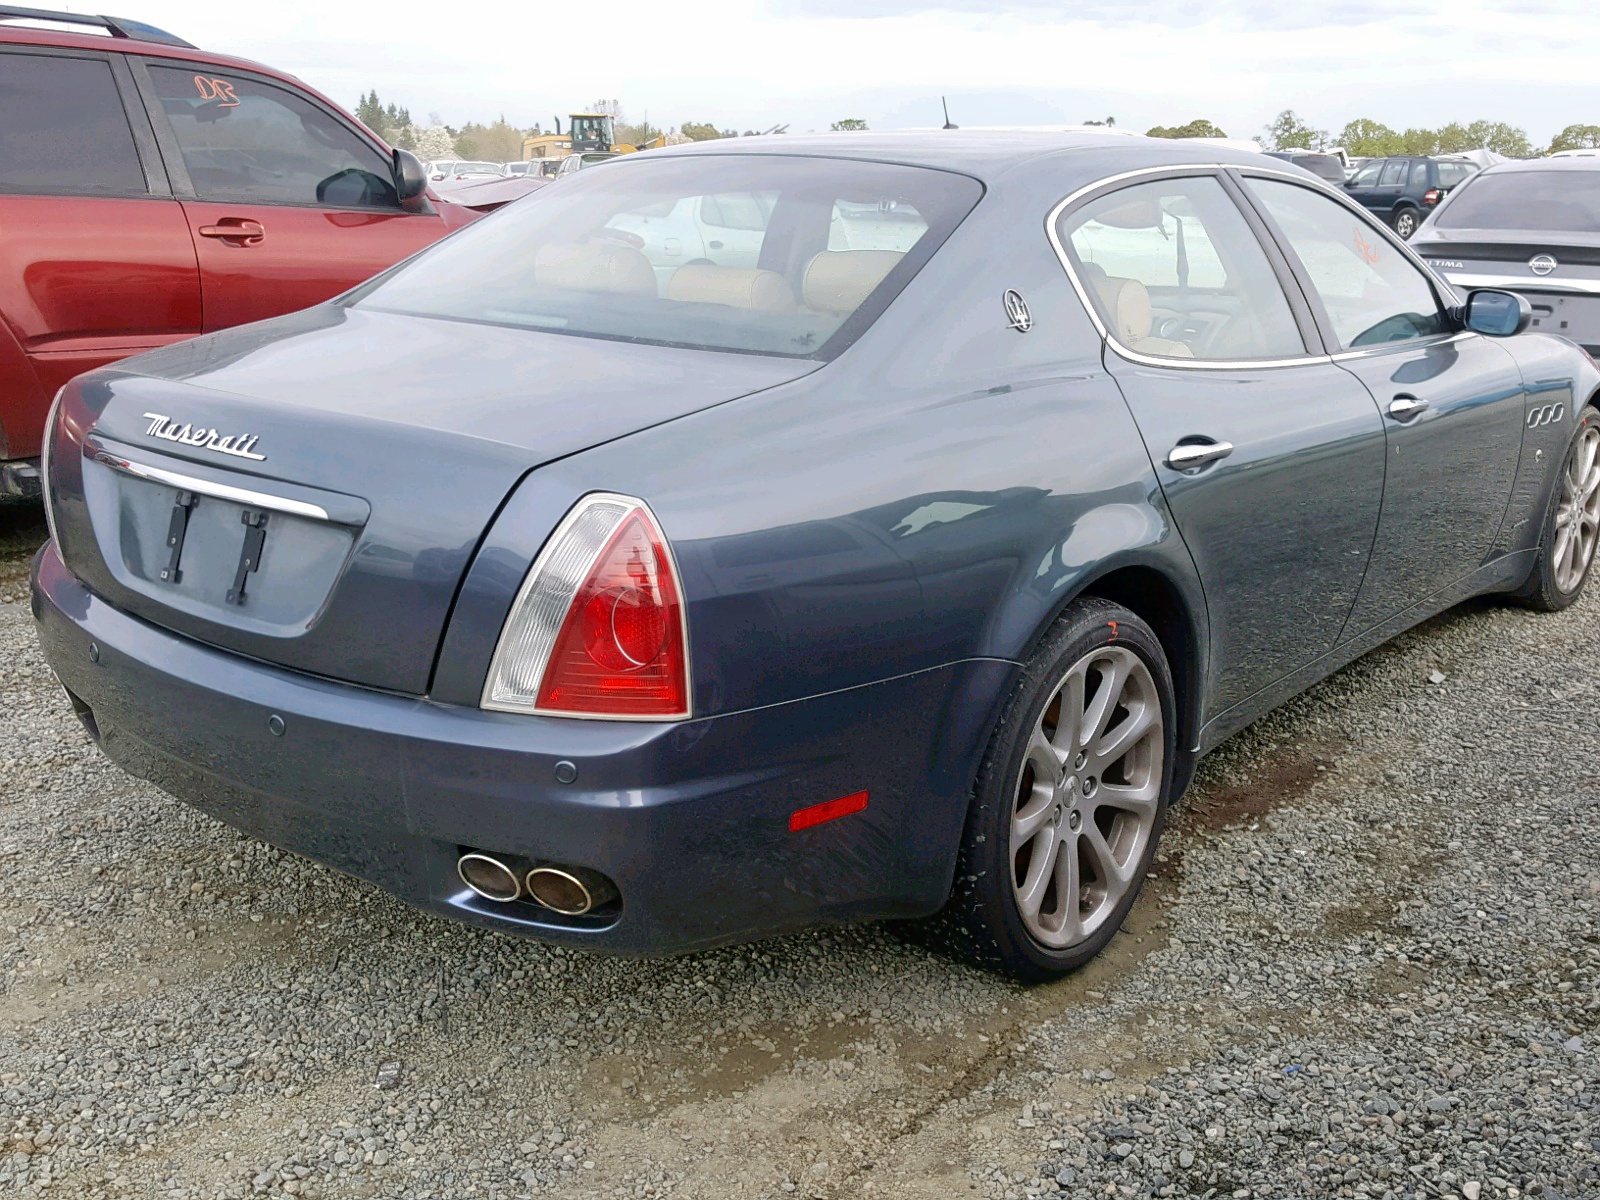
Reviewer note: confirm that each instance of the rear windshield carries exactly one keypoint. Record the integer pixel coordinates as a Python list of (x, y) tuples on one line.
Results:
[(755, 253), (1546, 201)]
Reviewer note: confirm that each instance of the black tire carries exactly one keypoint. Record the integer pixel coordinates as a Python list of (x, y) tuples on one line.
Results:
[(983, 921), (1542, 592), (1406, 220)]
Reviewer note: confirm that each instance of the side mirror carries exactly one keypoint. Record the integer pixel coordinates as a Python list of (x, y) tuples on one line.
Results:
[(1495, 313), (410, 180)]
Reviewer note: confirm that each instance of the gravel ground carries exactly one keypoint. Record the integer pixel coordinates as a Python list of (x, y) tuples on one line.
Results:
[(1367, 967)]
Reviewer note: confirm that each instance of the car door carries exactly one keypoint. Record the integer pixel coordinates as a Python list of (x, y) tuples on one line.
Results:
[(1269, 456), (1363, 185), (1452, 401), (96, 261), (288, 203)]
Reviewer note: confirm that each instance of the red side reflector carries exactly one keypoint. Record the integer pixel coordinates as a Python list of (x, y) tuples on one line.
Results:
[(828, 810)]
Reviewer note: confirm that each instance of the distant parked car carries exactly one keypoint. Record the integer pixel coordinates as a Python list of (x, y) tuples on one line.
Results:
[(439, 170), (1583, 152), (476, 170), (1324, 166), (1402, 189), (150, 191), (576, 162), (522, 168), (1531, 227)]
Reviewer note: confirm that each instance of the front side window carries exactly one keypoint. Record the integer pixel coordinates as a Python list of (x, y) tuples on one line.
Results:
[(1174, 271), (1367, 176), (63, 130), (244, 140), (1373, 293), (1394, 173), (724, 252)]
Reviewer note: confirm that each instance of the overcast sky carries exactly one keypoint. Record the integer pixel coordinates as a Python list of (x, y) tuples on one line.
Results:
[(809, 62)]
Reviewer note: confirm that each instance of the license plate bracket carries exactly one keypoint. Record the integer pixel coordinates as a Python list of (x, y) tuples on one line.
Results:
[(255, 539)]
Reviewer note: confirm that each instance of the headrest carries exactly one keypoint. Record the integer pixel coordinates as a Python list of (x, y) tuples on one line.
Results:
[(599, 268), (740, 287), (1126, 305), (837, 281)]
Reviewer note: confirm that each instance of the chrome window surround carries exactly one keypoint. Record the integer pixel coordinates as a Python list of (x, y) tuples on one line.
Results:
[(1180, 170), (44, 464), (551, 548)]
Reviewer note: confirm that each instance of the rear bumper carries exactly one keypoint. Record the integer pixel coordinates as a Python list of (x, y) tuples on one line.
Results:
[(689, 820)]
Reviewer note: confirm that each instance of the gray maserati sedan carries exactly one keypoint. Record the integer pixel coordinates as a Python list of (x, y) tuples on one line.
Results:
[(756, 534)]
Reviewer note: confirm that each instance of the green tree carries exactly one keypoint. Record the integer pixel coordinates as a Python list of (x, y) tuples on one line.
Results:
[(1194, 129), (1419, 141), (697, 131), (1289, 132), (1109, 121), (1499, 137), (1576, 137), (1453, 139), (370, 112), (1366, 138), (848, 124)]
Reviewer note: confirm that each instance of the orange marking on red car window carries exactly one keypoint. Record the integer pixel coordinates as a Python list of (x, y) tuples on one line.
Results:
[(216, 89), (828, 810)]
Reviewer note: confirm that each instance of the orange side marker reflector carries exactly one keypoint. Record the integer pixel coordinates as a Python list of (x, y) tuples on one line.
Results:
[(828, 810)]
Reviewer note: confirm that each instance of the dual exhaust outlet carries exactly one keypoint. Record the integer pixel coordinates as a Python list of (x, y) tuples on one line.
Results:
[(571, 891)]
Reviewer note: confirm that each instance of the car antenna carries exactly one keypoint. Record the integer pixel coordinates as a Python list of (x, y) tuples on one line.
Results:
[(948, 124)]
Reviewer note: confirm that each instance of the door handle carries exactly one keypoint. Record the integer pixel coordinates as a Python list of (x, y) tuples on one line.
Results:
[(237, 229), (1403, 407), (715, 245), (1191, 456)]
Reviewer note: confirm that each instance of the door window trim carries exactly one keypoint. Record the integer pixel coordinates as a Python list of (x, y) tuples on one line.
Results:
[(1281, 268), (1444, 296), (156, 183), (172, 150)]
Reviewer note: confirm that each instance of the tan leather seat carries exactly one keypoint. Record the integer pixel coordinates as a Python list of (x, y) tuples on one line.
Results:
[(599, 268), (739, 287), (1125, 303), (837, 281)]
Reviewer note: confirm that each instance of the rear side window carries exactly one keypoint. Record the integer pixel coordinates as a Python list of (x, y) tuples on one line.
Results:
[(1454, 174), (1394, 173), (244, 140), (1419, 175), (1175, 272), (1373, 294), (63, 130)]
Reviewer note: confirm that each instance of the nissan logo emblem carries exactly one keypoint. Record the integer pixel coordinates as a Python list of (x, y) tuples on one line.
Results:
[(1541, 264)]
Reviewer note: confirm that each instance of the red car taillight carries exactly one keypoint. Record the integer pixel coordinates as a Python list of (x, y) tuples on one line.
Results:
[(1431, 196), (598, 628)]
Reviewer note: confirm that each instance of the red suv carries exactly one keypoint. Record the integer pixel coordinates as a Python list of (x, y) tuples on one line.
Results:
[(150, 192)]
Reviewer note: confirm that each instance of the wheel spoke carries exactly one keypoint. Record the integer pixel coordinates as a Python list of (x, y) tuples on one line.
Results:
[(1030, 894), (1027, 820), (1112, 680), (1134, 798), (1069, 728), (1110, 749), (1069, 886), (1043, 758), (1116, 875)]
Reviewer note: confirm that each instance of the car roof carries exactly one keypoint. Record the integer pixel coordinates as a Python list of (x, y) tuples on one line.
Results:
[(29, 35), (983, 154), (1524, 165)]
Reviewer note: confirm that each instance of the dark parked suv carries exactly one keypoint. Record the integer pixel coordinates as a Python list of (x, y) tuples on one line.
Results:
[(150, 192), (1404, 189)]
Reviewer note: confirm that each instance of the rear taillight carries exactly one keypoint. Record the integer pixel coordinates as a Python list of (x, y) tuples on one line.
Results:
[(1431, 196), (598, 628)]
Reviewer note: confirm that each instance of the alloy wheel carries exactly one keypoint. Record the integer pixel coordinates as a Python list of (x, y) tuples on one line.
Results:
[(1406, 223), (1087, 796), (1577, 511)]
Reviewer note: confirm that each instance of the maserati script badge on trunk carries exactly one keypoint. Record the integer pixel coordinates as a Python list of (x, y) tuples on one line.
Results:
[(240, 445)]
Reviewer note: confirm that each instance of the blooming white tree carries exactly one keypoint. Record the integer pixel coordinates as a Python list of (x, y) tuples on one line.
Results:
[(433, 143)]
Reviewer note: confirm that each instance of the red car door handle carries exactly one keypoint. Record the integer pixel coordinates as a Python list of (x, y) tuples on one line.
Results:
[(235, 229)]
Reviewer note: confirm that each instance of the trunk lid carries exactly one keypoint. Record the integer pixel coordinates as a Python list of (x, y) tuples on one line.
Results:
[(308, 491)]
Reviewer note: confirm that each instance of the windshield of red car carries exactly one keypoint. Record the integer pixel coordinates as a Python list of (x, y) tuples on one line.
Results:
[(761, 254)]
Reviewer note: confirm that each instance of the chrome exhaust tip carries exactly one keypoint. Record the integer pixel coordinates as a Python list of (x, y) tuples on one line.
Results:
[(489, 877), (571, 891)]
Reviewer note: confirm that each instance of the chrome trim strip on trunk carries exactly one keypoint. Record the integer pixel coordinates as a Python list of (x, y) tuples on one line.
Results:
[(1524, 283), (205, 487)]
